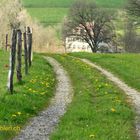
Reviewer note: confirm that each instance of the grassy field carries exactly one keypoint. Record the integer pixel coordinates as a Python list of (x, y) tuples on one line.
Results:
[(52, 12), (125, 66), (29, 97), (67, 3), (99, 110), (48, 16)]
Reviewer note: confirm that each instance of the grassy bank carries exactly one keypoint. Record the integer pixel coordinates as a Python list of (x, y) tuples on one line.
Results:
[(125, 66), (98, 111), (29, 97)]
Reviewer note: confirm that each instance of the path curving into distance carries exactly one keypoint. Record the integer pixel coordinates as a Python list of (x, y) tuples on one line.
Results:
[(133, 94), (41, 126)]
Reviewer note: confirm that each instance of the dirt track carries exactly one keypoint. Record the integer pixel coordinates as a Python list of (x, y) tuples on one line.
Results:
[(41, 126), (133, 94)]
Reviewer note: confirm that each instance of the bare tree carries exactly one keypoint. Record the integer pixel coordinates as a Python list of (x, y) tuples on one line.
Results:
[(91, 23), (131, 39)]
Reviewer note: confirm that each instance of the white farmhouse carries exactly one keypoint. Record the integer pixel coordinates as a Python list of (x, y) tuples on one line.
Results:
[(74, 44)]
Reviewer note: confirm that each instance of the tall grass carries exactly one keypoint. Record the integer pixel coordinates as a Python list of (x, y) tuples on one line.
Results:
[(125, 66)]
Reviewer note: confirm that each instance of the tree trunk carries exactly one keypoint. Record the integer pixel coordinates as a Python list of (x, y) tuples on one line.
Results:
[(93, 47), (12, 61), (25, 53), (19, 56)]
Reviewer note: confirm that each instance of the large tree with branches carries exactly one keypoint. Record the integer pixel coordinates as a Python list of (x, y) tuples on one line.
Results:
[(95, 23)]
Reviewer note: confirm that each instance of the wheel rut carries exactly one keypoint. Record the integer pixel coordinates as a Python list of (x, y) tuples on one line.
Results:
[(132, 94), (41, 126)]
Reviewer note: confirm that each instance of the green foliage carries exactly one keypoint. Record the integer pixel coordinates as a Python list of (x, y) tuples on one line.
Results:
[(29, 97), (98, 111)]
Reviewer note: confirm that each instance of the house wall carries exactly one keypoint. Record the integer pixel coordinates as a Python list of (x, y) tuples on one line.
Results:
[(76, 45)]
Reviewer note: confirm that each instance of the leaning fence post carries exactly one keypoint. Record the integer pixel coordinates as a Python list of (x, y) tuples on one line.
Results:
[(6, 43), (19, 55), (12, 61), (25, 53), (29, 42)]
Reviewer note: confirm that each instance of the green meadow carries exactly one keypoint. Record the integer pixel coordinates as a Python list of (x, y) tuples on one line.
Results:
[(67, 3), (48, 16), (30, 96), (52, 12), (125, 66), (99, 110)]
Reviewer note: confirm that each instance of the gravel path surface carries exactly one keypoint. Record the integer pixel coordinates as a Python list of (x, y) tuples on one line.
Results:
[(133, 95), (41, 126)]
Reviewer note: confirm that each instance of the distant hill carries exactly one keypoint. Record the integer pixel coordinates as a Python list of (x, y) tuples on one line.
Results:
[(51, 12)]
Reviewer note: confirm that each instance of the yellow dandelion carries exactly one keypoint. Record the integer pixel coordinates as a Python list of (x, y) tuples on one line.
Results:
[(92, 136), (47, 84), (106, 84), (19, 113), (113, 110), (30, 89), (96, 80), (42, 83), (42, 93), (14, 115), (34, 91)]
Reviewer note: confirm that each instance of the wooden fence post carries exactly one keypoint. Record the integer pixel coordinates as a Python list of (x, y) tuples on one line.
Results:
[(19, 55), (25, 53), (6, 43), (12, 61), (29, 42)]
